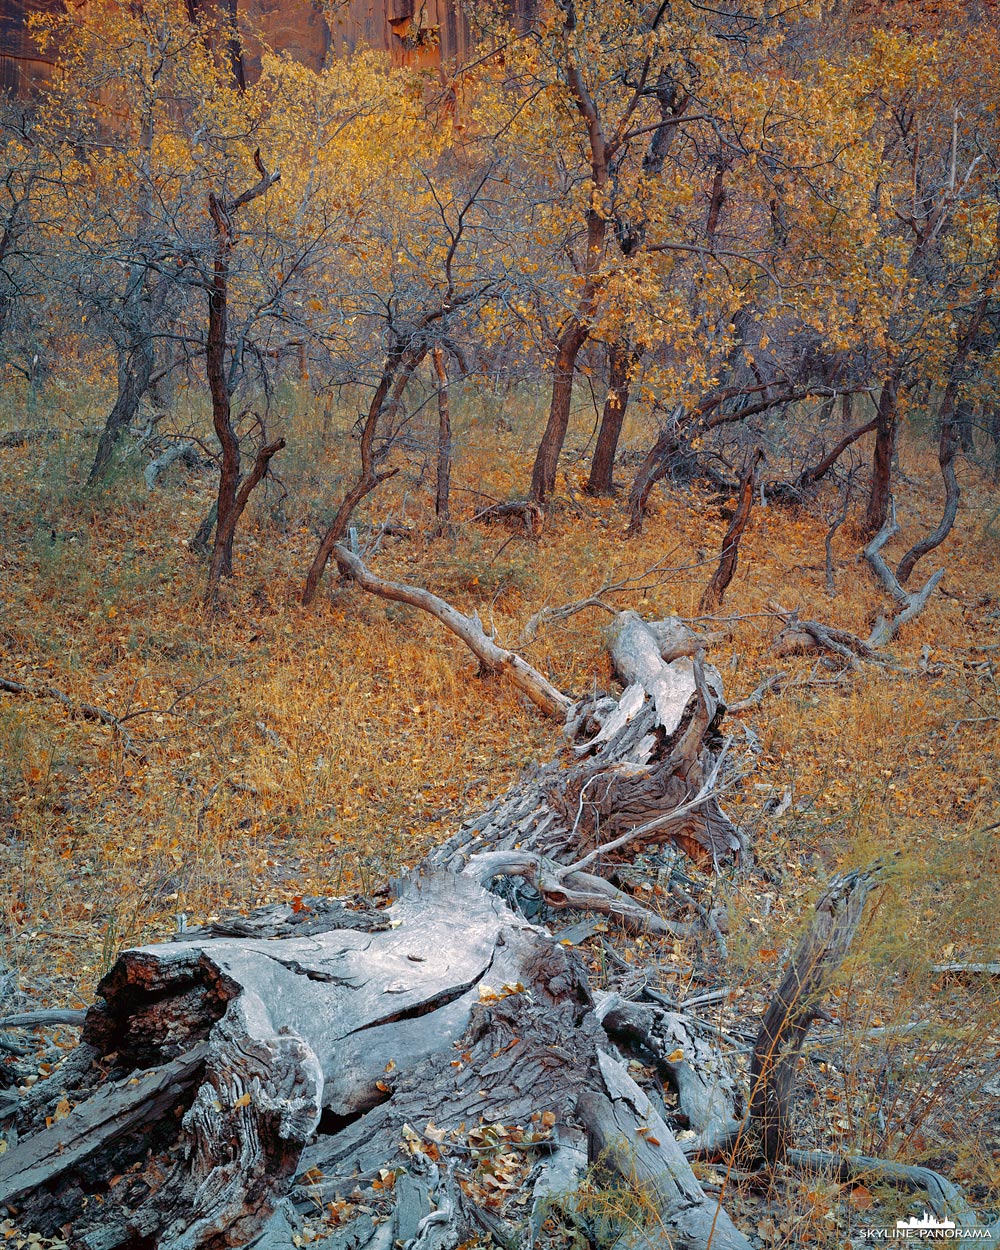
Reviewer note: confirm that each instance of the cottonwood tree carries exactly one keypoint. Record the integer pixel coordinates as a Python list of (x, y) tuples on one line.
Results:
[(935, 206), (699, 182), (429, 248), (117, 122)]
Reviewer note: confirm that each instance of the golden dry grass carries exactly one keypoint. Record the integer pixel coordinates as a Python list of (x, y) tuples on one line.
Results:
[(378, 736)]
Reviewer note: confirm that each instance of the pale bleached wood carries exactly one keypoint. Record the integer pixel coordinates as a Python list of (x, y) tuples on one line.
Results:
[(629, 1135), (493, 657)]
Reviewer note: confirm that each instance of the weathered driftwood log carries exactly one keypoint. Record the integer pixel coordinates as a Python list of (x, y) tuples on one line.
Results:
[(642, 772), (216, 1070), (362, 1050)]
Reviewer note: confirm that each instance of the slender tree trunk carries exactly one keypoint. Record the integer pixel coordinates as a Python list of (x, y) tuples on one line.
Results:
[(230, 498), (715, 590), (133, 382), (576, 330), (221, 564), (621, 360), (396, 373), (951, 417), (543, 475), (886, 427), (995, 436), (442, 502)]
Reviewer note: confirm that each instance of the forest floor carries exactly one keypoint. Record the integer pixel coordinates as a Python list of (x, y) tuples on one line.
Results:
[(290, 752)]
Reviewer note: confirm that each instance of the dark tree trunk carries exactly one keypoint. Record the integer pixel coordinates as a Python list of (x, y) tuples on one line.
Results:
[(952, 491), (442, 502), (886, 426), (221, 564), (621, 360), (543, 475), (654, 466), (133, 382), (230, 499), (951, 417), (716, 588)]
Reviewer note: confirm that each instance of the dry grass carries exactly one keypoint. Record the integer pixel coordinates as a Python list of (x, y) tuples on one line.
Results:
[(380, 736)]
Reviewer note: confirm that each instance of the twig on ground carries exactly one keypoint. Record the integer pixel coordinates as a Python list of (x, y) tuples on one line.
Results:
[(88, 711)]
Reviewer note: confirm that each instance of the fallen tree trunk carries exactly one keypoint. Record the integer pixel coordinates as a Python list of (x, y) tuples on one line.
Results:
[(393, 1065)]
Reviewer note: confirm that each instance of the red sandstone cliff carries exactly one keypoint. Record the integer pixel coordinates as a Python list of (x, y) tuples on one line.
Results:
[(424, 32)]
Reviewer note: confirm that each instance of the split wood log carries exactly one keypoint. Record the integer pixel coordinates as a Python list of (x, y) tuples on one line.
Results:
[(215, 1071), (708, 1097), (808, 978), (630, 1138), (640, 771)]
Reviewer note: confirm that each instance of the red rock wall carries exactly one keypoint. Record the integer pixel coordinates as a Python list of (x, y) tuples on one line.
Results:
[(413, 32)]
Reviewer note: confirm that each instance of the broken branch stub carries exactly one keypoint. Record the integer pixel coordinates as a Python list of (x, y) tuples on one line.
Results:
[(808, 978)]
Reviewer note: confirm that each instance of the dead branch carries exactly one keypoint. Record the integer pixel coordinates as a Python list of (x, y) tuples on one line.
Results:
[(88, 711), (943, 1196), (911, 604), (41, 1019), (758, 695), (561, 886), (641, 581), (495, 658), (819, 954)]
